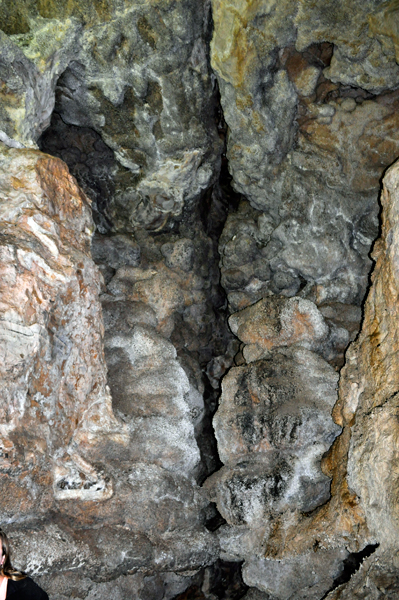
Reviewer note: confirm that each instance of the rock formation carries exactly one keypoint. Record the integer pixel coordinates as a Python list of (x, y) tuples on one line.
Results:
[(71, 463), (189, 194)]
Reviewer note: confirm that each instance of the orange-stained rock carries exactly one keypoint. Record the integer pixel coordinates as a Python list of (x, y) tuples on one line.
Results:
[(68, 464), (276, 322), (369, 401), (55, 404)]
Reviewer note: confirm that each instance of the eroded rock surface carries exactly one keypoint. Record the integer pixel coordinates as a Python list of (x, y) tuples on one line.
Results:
[(53, 374), (107, 461), (130, 473), (362, 511), (312, 126), (368, 407), (135, 73)]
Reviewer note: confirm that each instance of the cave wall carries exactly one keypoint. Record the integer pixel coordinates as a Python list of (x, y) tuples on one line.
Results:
[(189, 196)]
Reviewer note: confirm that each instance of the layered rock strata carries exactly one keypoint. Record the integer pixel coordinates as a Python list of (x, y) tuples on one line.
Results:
[(69, 465)]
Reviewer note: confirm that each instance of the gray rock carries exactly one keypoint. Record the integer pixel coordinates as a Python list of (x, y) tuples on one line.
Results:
[(304, 577), (255, 594), (272, 427), (31, 71), (117, 251)]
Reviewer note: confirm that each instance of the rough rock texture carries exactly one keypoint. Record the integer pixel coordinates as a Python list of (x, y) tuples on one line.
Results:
[(53, 375), (158, 291), (273, 427), (368, 405), (362, 511), (136, 73), (68, 464), (232, 152), (312, 124), (277, 322), (370, 382), (296, 85)]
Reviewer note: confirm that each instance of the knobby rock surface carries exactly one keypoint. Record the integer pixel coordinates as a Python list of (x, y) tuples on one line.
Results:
[(107, 493), (189, 194)]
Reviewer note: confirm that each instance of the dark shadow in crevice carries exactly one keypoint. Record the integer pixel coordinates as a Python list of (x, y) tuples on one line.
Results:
[(221, 199), (216, 520), (213, 209), (89, 160), (351, 565), (222, 580)]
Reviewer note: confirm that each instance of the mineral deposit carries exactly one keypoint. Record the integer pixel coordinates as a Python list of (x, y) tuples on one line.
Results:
[(189, 194)]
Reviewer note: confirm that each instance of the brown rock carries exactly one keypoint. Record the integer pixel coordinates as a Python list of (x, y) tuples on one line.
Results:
[(368, 398), (54, 399), (275, 322), (68, 464)]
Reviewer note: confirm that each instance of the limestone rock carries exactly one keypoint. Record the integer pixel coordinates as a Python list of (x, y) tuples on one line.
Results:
[(138, 75), (366, 61), (143, 366), (363, 508), (370, 383), (52, 373), (104, 481), (273, 426), (377, 578), (63, 449), (303, 577), (289, 258), (62, 586), (160, 326), (255, 594), (277, 322), (300, 146), (29, 74)]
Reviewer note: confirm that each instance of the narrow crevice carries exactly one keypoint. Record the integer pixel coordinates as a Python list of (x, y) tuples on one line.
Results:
[(215, 519), (89, 160), (215, 206), (351, 565), (220, 581)]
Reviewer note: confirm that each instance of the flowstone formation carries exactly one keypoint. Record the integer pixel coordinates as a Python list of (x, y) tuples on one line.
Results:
[(86, 487), (137, 74), (177, 306)]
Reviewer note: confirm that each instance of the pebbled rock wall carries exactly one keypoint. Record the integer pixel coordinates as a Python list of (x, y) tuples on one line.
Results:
[(296, 83), (102, 486), (172, 402), (137, 74)]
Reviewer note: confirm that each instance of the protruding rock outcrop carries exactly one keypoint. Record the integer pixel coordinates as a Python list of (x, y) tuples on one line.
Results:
[(369, 404), (137, 74), (232, 152), (69, 465), (362, 512)]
